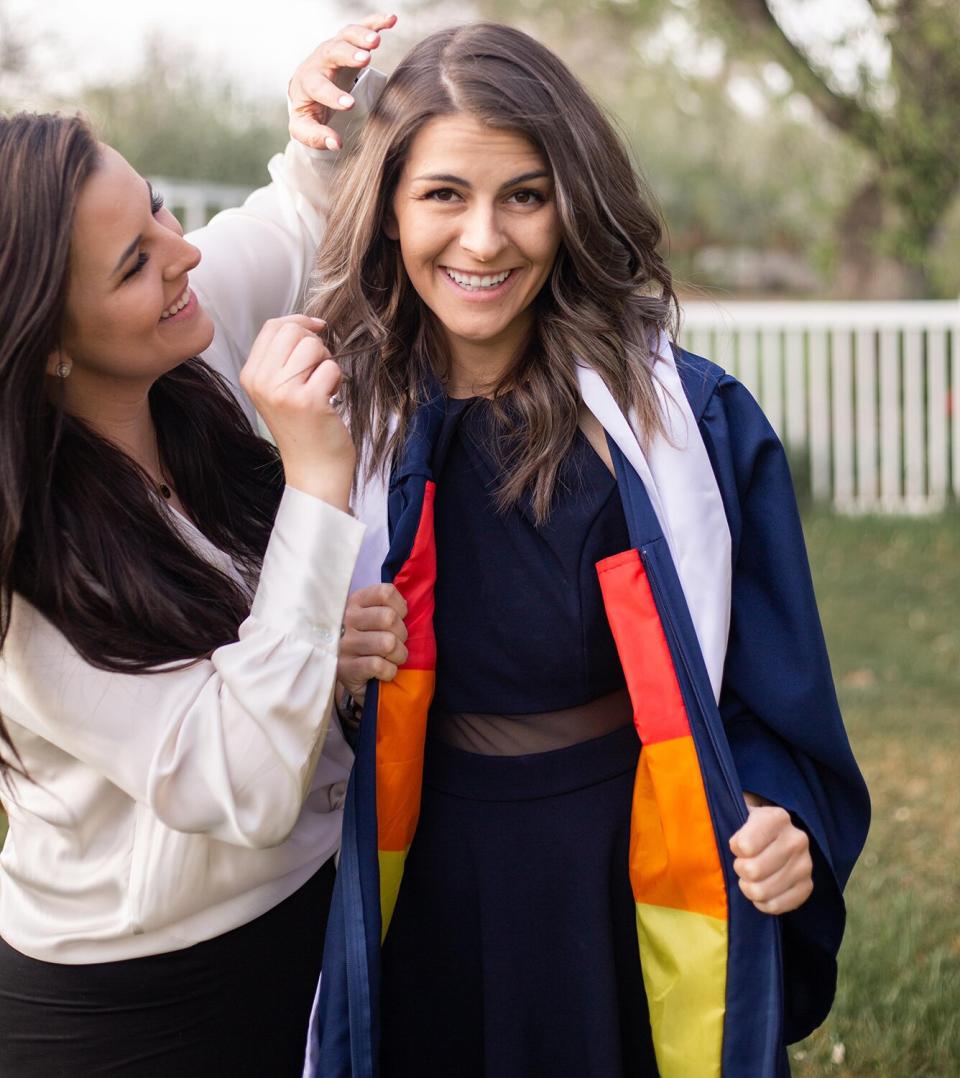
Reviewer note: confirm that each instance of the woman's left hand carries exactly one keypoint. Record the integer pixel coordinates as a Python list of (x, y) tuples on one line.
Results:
[(320, 85), (772, 858), (373, 641)]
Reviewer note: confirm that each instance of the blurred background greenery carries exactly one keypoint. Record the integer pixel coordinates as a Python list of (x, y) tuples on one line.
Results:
[(798, 148), (802, 147)]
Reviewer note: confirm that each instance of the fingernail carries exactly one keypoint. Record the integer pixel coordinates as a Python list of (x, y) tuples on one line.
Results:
[(322, 321), (346, 100), (332, 144), (361, 55), (371, 37)]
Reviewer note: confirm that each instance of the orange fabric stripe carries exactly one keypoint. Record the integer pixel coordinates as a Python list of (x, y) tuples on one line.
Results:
[(401, 730), (658, 710), (415, 582), (673, 849)]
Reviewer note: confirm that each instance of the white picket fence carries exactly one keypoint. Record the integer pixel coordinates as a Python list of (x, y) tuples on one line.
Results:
[(195, 203), (867, 393)]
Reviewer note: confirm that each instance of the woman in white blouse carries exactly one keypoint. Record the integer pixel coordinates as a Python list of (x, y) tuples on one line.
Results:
[(171, 601)]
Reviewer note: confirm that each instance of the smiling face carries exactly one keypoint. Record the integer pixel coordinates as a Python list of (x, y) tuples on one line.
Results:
[(130, 313), (477, 223)]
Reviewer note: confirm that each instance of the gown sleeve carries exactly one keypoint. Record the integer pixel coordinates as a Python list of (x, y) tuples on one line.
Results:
[(778, 700)]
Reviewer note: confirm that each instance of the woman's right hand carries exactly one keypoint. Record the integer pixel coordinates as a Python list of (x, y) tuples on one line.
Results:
[(290, 378)]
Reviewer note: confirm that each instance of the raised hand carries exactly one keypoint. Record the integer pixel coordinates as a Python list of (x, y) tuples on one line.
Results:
[(290, 378), (320, 86), (772, 858), (373, 642)]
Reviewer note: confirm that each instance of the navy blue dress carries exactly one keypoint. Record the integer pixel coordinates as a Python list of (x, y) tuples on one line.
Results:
[(513, 949)]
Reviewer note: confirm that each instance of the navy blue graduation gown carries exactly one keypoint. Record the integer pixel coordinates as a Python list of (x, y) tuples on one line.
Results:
[(778, 702), (778, 711)]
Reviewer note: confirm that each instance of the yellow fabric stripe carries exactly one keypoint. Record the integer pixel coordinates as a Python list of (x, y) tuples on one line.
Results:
[(391, 872), (684, 960)]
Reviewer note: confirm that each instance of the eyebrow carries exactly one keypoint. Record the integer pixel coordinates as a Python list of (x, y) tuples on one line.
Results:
[(136, 243), (448, 177), (126, 255)]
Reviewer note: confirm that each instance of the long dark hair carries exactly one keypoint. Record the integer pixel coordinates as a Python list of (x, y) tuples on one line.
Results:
[(82, 536), (608, 294)]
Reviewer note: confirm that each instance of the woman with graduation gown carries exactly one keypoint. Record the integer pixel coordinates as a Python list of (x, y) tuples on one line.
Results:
[(601, 820)]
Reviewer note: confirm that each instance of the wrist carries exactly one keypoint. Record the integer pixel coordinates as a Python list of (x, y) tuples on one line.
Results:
[(334, 491), (755, 800), (349, 709)]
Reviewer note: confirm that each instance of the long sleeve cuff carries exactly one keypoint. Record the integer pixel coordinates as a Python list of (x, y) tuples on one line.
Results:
[(307, 568)]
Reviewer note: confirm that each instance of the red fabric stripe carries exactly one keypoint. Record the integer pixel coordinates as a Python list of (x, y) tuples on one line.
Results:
[(658, 710), (415, 582)]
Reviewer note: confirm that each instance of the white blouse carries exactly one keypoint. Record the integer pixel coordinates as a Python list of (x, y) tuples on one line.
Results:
[(165, 809)]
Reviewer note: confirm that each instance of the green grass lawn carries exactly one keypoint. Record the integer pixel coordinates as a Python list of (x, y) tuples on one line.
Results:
[(889, 591)]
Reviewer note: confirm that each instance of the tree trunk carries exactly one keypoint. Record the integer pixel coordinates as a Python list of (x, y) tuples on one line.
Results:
[(864, 269)]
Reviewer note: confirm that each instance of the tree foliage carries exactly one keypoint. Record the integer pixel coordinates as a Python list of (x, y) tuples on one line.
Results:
[(174, 118), (14, 53), (906, 119)]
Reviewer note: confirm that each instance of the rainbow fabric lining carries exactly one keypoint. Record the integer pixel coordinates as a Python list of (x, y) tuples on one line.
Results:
[(675, 869), (402, 709)]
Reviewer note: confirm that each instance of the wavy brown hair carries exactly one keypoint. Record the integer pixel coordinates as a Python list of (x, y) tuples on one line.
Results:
[(82, 537), (607, 294)]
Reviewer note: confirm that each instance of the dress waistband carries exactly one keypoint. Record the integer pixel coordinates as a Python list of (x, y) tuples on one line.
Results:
[(479, 777), (522, 735)]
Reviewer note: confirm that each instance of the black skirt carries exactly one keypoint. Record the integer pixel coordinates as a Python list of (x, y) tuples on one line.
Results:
[(513, 952), (235, 1005)]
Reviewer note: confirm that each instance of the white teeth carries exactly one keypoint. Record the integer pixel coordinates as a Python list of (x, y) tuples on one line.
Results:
[(178, 306), (471, 281)]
